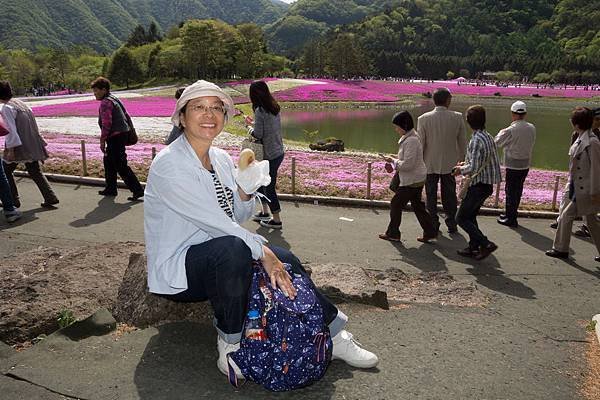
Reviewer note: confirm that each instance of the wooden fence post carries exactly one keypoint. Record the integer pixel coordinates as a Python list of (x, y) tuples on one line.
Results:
[(83, 159), (293, 176), (369, 167), (555, 195)]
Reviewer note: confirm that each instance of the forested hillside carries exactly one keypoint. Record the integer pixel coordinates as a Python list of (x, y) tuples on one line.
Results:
[(138, 40), (104, 24)]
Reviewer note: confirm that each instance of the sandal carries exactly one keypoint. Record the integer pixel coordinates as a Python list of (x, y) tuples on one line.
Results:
[(390, 238)]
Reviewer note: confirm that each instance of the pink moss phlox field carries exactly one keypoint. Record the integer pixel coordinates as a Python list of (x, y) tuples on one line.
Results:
[(325, 174), (136, 107), (384, 91)]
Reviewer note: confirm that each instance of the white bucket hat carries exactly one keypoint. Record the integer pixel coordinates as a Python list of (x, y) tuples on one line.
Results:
[(202, 89)]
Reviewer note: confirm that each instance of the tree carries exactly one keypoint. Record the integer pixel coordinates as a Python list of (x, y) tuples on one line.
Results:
[(137, 37), (252, 50), (124, 68), (346, 58), (153, 34)]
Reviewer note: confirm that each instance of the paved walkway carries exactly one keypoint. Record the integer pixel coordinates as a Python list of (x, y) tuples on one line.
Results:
[(527, 344)]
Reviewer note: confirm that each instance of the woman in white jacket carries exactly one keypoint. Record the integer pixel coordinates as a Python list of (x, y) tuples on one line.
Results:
[(196, 248), (412, 172)]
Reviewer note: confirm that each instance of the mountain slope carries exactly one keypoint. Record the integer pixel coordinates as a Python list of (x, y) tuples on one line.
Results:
[(104, 24)]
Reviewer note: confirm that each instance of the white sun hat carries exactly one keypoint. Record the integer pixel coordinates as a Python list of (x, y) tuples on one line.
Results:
[(202, 89)]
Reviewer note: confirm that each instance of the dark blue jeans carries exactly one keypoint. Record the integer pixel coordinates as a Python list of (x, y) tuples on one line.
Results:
[(5, 193), (220, 270), (466, 217), (448, 194), (515, 179), (269, 190)]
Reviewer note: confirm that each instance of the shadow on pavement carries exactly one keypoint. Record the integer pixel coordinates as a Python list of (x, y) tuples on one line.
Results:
[(274, 236), (534, 239), (106, 210), (422, 257), (180, 363), (28, 216)]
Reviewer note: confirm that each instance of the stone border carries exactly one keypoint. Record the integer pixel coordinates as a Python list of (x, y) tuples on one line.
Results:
[(341, 201)]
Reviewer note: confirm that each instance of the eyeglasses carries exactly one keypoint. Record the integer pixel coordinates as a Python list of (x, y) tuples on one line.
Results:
[(214, 110)]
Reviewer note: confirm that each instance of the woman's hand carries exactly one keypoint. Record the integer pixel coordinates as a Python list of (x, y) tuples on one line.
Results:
[(249, 120), (279, 276)]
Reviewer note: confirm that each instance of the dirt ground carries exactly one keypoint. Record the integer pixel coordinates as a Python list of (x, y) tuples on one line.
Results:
[(590, 388), (37, 284)]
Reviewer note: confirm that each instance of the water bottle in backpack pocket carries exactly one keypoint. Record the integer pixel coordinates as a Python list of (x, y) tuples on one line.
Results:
[(293, 349)]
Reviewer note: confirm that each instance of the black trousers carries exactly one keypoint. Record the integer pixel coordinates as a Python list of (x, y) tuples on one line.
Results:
[(403, 195), (115, 162), (515, 179), (219, 270), (448, 194)]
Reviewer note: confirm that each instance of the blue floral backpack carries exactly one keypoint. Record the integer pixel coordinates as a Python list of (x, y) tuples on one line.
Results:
[(285, 343)]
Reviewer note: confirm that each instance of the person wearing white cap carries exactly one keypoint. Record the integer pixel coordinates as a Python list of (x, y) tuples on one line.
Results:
[(517, 140), (196, 248)]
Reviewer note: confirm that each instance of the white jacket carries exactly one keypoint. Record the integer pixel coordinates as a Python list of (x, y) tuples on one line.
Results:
[(8, 115), (410, 165), (518, 140), (181, 210)]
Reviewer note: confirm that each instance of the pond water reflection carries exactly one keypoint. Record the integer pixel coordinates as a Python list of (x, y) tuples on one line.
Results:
[(370, 129)]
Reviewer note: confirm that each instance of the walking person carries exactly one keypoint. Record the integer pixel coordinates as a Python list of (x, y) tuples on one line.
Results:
[(266, 127), (114, 124), (584, 185), (11, 140), (32, 151), (517, 140), (195, 199), (444, 141), (411, 173), (483, 167)]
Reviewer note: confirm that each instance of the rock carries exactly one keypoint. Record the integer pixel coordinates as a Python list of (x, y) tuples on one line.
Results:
[(330, 144), (136, 306), (98, 324)]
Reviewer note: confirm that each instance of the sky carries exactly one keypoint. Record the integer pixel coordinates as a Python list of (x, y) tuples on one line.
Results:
[(288, 1)]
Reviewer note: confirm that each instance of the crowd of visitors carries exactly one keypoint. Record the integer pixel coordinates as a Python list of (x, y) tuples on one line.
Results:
[(196, 198)]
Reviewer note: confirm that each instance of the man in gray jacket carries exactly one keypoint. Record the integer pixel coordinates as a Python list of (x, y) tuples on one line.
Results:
[(444, 141), (517, 140)]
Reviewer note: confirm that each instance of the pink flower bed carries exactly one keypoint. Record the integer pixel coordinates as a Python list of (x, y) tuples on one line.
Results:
[(325, 174), (136, 107), (385, 91)]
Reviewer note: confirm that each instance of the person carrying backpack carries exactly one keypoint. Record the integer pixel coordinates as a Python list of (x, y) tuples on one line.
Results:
[(195, 201), (115, 125)]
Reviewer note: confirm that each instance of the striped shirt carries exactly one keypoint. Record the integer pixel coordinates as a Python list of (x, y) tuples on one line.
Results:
[(482, 159), (224, 195)]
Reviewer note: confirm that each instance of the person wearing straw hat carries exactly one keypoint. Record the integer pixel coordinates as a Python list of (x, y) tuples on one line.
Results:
[(195, 201), (517, 140)]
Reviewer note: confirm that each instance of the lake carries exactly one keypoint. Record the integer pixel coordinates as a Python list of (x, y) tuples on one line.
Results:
[(370, 129)]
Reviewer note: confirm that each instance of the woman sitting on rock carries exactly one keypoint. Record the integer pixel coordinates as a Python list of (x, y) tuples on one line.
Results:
[(196, 248)]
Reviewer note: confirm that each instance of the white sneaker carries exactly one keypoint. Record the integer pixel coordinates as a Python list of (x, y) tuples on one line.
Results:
[(224, 349), (349, 350), (12, 216)]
